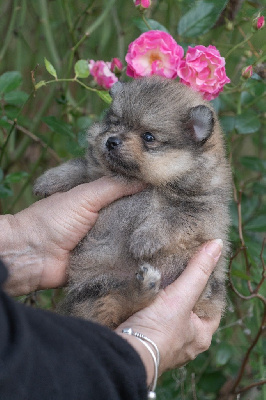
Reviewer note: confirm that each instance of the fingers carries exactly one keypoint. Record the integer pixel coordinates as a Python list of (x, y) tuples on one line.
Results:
[(194, 278), (100, 193)]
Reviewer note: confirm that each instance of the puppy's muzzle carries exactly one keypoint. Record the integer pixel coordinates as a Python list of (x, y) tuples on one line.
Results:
[(113, 142)]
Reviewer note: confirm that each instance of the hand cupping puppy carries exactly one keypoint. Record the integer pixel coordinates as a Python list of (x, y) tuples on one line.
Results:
[(40, 238), (170, 322)]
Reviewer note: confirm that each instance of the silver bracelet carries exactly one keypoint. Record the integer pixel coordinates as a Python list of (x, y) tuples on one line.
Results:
[(155, 356)]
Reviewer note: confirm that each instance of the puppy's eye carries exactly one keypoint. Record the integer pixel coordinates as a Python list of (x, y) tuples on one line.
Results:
[(114, 120), (148, 137)]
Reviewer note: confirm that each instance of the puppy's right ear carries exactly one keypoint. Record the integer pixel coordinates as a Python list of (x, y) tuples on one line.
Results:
[(201, 123), (115, 89)]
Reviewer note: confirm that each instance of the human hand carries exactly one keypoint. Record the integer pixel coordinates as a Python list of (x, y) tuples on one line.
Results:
[(37, 245), (170, 322)]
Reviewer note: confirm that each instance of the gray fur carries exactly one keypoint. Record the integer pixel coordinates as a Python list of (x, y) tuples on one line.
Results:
[(143, 242)]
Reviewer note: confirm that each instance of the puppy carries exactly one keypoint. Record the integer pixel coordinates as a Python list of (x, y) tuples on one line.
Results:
[(162, 133)]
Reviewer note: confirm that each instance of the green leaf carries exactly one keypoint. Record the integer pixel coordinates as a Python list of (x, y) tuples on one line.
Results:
[(223, 354), (82, 69), (50, 68), (240, 274), (74, 148), (83, 139), (253, 163), (5, 191), (151, 22), (105, 96), (16, 177), (247, 122), (4, 123), (16, 98), (259, 188), (59, 126), (228, 123), (10, 81), (1, 174), (84, 122), (257, 224), (201, 17)]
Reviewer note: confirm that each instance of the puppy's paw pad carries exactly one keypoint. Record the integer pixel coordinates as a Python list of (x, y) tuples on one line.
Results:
[(148, 277)]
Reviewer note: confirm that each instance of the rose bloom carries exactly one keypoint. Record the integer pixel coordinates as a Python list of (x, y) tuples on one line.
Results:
[(102, 74), (204, 70), (247, 72), (154, 53), (143, 3), (260, 22)]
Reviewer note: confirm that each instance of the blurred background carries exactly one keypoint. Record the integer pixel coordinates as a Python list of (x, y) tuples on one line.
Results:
[(44, 125)]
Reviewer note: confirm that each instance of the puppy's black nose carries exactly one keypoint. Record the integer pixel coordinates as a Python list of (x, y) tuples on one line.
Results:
[(113, 142)]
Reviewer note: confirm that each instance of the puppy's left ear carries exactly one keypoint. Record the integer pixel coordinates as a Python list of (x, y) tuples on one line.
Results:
[(115, 89), (201, 122)]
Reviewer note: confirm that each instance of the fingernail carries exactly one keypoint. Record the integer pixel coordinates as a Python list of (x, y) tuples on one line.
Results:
[(214, 248)]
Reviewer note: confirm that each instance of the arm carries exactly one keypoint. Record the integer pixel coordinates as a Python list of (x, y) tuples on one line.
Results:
[(36, 243), (46, 356)]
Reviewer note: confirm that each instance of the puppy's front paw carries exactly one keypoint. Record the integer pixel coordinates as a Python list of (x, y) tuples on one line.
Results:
[(58, 179), (144, 244), (148, 278), (44, 186)]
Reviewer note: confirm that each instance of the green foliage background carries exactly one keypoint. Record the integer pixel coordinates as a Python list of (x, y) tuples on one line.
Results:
[(43, 124)]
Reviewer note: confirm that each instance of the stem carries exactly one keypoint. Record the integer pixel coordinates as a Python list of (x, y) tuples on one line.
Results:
[(19, 54), (48, 33), (85, 11), (89, 31), (71, 80), (252, 385), (238, 45), (146, 22), (120, 34), (7, 140), (37, 140), (10, 30), (246, 358), (65, 5), (33, 127)]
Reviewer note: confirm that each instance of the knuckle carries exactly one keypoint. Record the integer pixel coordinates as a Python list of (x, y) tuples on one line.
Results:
[(205, 343), (204, 266)]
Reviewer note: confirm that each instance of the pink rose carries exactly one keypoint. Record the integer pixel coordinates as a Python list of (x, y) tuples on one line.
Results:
[(260, 22), (154, 53), (247, 72), (204, 70), (143, 3), (102, 74), (116, 66)]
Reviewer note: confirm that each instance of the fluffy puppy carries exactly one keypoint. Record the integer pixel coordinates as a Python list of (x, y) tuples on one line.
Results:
[(163, 133)]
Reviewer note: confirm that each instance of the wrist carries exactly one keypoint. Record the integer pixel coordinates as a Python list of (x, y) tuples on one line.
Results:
[(18, 252), (144, 354)]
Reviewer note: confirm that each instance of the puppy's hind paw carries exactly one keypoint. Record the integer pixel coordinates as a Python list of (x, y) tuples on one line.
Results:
[(148, 278)]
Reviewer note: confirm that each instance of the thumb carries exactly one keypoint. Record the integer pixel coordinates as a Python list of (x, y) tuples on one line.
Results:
[(194, 278), (100, 193)]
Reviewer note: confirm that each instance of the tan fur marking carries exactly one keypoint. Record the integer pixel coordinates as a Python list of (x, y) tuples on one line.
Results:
[(161, 168)]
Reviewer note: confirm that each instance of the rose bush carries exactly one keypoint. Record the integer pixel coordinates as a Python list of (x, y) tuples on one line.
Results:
[(203, 69), (154, 52)]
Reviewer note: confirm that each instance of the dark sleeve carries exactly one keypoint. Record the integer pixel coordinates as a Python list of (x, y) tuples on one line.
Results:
[(47, 356)]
